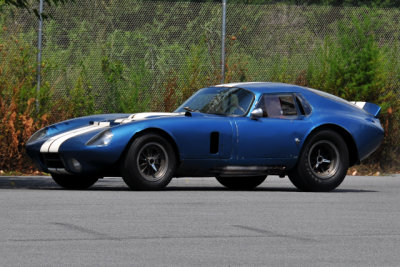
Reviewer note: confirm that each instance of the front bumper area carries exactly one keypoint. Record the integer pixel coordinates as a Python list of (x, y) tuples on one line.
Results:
[(54, 163), (75, 157), (90, 162)]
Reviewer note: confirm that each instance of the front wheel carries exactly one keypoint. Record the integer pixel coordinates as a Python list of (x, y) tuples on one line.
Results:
[(149, 164), (74, 181), (322, 164), (241, 183)]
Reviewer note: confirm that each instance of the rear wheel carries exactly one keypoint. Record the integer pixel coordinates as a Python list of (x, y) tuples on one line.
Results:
[(241, 183), (74, 181), (149, 164), (323, 163)]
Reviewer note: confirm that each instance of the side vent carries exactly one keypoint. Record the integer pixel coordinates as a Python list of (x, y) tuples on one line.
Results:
[(214, 142)]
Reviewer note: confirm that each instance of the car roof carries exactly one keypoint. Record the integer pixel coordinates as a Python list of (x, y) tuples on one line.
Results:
[(264, 87), (274, 87)]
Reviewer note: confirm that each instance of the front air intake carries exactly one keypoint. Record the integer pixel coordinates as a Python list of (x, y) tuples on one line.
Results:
[(214, 142), (52, 160)]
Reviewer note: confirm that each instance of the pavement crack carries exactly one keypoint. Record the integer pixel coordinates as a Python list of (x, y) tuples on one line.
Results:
[(272, 233), (85, 230)]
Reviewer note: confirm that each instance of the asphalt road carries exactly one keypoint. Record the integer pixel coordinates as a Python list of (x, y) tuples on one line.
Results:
[(196, 222)]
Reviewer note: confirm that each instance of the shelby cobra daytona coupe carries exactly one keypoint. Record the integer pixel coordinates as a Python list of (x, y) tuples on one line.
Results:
[(238, 133)]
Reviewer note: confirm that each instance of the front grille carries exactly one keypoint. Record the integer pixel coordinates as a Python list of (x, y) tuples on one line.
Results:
[(52, 160)]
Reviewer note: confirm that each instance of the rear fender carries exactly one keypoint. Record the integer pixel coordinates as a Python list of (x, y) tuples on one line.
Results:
[(347, 137)]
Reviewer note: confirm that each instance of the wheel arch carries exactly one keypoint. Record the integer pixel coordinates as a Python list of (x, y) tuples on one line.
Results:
[(347, 137), (152, 130)]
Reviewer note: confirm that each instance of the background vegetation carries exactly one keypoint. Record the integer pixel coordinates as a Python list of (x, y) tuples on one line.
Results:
[(132, 56)]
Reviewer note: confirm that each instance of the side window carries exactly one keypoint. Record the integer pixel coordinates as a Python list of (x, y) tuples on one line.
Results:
[(288, 106), (278, 105)]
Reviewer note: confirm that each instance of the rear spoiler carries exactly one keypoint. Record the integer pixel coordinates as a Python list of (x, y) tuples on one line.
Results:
[(368, 107)]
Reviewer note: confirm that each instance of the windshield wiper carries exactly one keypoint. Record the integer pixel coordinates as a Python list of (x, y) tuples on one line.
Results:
[(189, 109)]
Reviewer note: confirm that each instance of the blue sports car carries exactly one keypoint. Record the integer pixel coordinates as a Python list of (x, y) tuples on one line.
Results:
[(238, 133)]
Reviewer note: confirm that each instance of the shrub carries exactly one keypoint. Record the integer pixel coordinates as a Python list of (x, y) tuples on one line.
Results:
[(81, 97), (18, 114)]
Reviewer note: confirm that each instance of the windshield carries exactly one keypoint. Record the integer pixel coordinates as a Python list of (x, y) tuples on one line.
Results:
[(219, 100)]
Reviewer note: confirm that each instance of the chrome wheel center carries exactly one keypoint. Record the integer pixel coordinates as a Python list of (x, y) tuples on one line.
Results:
[(324, 159), (152, 161)]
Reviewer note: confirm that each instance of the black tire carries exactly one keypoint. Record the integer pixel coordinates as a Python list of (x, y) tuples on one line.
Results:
[(74, 181), (323, 163), (149, 164), (241, 183)]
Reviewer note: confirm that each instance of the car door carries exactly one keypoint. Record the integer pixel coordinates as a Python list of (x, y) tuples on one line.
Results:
[(275, 135), (204, 136)]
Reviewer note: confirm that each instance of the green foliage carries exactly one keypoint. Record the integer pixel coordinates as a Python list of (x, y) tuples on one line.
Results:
[(371, 3), (196, 72), (81, 97), (358, 62), (112, 72), (136, 95), (19, 118), (18, 73), (353, 3), (2, 4), (27, 5), (350, 66), (127, 86)]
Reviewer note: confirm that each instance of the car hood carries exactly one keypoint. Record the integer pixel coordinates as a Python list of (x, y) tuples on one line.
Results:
[(105, 120), (144, 116), (96, 123)]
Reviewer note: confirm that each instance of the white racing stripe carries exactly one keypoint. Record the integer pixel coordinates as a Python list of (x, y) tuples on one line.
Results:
[(145, 115), (235, 84), (46, 145), (53, 144)]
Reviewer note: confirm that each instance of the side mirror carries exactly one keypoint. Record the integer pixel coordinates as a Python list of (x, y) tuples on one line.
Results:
[(256, 113)]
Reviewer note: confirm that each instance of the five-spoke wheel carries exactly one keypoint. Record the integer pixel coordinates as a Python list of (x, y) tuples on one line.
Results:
[(322, 164), (149, 164), (152, 161), (324, 159)]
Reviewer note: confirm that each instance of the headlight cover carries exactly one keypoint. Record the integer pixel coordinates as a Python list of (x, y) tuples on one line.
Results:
[(38, 135), (101, 139)]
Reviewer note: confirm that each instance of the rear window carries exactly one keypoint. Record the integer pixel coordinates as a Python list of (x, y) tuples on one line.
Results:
[(303, 105)]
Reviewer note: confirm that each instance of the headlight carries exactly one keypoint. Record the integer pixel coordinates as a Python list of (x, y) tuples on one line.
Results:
[(101, 139), (38, 135)]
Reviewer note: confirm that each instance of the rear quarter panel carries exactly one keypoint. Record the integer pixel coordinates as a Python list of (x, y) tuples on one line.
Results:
[(365, 130)]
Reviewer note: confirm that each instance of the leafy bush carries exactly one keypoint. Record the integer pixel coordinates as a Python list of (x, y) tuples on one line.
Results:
[(200, 70), (81, 97), (18, 115)]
